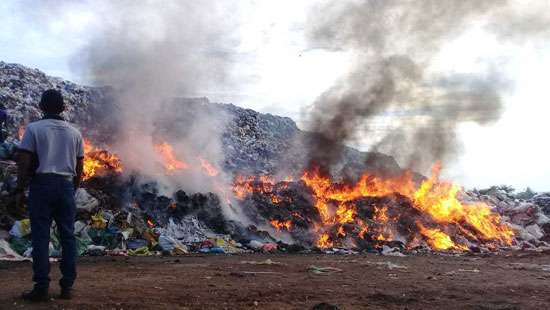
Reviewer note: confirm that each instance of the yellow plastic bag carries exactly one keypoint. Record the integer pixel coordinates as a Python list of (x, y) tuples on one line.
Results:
[(98, 222), (25, 227)]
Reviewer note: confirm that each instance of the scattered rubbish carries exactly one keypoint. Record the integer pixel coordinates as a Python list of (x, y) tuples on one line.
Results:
[(95, 250), (269, 247), (212, 250), (21, 228), (388, 265), (85, 201), (98, 221), (323, 270), (256, 245), (264, 262), (7, 254), (143, 251), (387, 251), (167, 243), (7, 150), (137, 244), (20, 245)]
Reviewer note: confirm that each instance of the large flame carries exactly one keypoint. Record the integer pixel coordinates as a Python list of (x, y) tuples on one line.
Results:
[(98, 161), (437, 200), (168, 158), (442, 222)]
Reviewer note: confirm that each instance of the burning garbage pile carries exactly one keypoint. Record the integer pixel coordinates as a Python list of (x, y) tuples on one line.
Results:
[(393, 215), (374, 211), (98, 162), (242, 204)]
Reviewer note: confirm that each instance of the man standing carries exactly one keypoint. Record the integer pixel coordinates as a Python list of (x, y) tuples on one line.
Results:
[(50, 159)]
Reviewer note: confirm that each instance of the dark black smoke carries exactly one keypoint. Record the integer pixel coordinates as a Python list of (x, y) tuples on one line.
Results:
[(391, 97)]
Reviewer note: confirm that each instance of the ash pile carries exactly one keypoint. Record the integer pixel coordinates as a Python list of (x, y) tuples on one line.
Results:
[(370, 205)]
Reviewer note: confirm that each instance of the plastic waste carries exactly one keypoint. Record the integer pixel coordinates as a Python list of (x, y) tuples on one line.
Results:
[(136, 244), (256, 245), (20, 245), (98, 221), (105, 237), (150, 236), (82, 245), (95, 250), (85, 201), (143, 251), (269, 247), (8, 254), (323, 270), (180, 249), (7, 150), (167, 243), (21, 228), (212, 250)]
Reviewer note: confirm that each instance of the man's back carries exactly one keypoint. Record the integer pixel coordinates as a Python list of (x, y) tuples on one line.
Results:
[(59, 148), (57, 145)]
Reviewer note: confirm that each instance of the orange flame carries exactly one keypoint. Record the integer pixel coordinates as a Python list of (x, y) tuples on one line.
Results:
[(208, 167), (324, 241), (168, 158), (282, 225), (438, 200), (265, 185), (341, 231), (364, 230), (20, 132), (439, 240), (97, 161), (150, 224), (243, 186)]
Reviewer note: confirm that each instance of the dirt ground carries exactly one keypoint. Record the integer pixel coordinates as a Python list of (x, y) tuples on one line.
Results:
[(504, 281)]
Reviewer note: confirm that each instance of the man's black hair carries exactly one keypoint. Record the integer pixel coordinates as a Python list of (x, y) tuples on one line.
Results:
[(52, 102)]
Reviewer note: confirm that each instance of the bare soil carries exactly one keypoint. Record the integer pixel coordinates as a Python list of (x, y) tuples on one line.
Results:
[(503, 281)]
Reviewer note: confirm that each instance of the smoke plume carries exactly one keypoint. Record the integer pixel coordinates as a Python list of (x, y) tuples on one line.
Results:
[(392, 97), (150, 52)]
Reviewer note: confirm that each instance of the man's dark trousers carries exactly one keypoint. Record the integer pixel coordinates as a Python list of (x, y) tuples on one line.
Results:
[(51, 196)]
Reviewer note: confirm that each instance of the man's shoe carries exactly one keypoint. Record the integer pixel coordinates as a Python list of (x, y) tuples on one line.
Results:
[(36, 295), (66, 293)]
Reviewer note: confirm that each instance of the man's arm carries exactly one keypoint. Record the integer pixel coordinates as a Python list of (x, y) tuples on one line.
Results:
[(79, 170), (24, 166), (24, 172)]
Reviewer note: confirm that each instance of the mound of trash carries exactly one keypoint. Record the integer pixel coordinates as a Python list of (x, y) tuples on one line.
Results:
[(154, 224), (387, 210)]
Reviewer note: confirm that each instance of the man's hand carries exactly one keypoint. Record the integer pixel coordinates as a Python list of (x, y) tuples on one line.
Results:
[(20, 200), (24, 163)]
